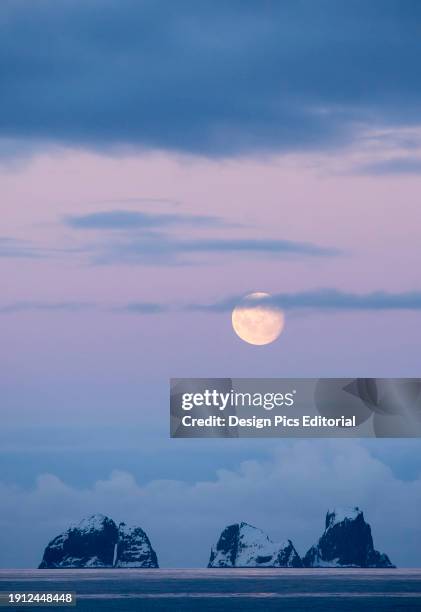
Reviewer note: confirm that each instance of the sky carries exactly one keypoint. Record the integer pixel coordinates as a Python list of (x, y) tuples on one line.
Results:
[(157, 163)]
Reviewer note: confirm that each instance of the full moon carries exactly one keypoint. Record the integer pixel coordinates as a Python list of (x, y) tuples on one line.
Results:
[(257, 323)]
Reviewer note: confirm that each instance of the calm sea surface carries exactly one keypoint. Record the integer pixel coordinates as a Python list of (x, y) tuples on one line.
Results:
[(224, 589)]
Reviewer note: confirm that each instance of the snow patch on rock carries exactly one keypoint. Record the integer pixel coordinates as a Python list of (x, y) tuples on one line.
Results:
[(242, 545), (338, 515)]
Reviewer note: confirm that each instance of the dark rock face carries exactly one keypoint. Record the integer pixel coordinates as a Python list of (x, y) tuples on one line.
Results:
[(346, 542), (134, 548), (97, 542), (242, 545), (226, 548), (288, 557), (90, 544)]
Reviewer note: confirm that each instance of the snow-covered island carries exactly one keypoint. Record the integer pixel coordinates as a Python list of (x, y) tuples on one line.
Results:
[(242, 545), (97, 542), (346, 542)]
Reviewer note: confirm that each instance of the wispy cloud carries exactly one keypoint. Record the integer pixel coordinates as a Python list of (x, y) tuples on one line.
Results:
[(69, 307), (279, 247), (144, 308), (397, 165), (317, 300), (138, 237), (21, 249), (325, 299), (35, 306), (155, 249), (14, 248), (137, 220)]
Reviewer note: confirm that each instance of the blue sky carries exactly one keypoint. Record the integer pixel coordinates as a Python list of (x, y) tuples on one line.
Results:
[(159, 161)]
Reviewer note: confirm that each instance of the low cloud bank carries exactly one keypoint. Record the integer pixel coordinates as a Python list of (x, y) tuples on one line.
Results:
[(287, 496)]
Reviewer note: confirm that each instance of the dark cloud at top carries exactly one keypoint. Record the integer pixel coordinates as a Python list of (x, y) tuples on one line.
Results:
[(219, 79)]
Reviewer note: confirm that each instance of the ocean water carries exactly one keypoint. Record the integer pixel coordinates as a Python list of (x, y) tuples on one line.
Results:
[(210, 590)]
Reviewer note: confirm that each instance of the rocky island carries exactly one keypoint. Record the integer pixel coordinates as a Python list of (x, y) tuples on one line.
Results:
[(97, 542), (242, 545), (346, 542)]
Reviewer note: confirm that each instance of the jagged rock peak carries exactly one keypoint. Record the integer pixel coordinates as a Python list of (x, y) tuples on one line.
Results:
[(338, 515), (97, 542), (346, 542), (242, 545)]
